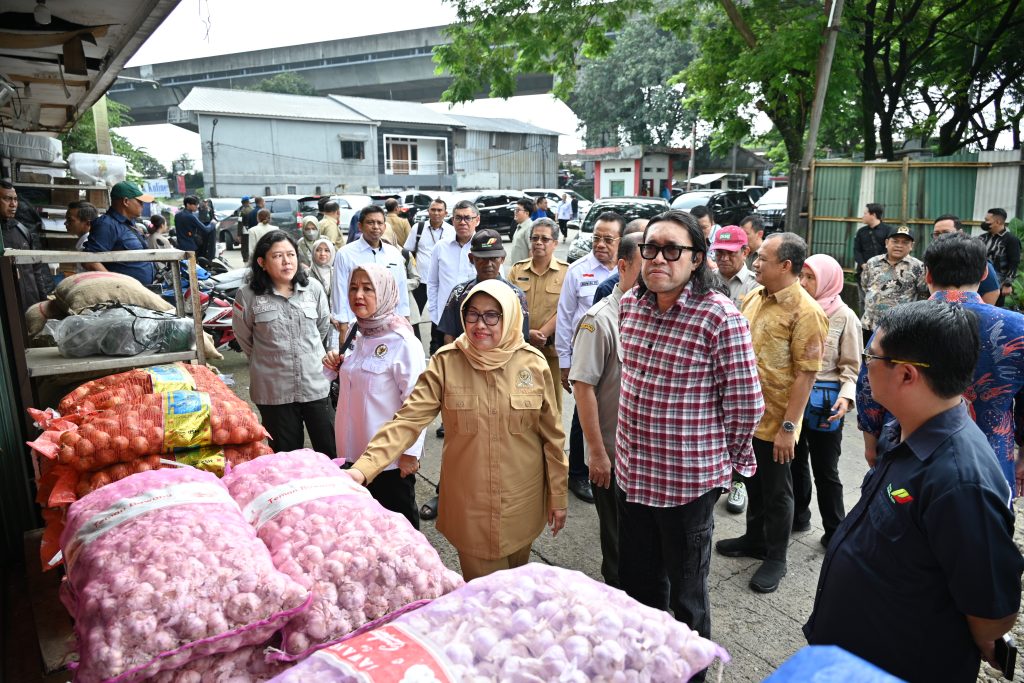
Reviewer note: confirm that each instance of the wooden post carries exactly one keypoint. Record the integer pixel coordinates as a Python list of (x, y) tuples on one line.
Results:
[(905, 199), (810, 207), (102, 126)]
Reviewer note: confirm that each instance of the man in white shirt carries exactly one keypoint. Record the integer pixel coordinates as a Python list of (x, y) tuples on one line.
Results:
[(581, 281), (423, 237), (564, 216), (450, 265), (369, 248)]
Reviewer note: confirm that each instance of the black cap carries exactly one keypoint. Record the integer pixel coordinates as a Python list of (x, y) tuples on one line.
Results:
[(486, 244), (902, 231)]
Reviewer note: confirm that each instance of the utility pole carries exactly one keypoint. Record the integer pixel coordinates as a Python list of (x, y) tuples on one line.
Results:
[(693, 154), (798, 190), (213, 158), (101, 124)]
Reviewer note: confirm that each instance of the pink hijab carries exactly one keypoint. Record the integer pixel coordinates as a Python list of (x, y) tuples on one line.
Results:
[(385, 319), (829, 275)]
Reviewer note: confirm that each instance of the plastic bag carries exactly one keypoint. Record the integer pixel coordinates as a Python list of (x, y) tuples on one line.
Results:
[(161, 570), (532, 623), (325, 531), (122, 331), (122, 388)]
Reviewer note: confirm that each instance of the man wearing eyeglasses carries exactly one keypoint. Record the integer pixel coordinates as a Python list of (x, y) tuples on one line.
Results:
[(788, 330), (923, 576), (369, 248), (541, 277), (116, 231), (690, 400), (581, 281), (450, 265)]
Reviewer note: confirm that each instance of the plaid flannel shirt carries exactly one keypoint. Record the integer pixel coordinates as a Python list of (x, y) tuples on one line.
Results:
[(690, 401)]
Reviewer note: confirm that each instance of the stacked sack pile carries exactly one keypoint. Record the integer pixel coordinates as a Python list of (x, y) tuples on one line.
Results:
[(175, 575), (136, 421)]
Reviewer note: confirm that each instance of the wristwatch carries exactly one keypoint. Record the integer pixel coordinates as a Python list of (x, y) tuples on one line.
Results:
[(789, 427)]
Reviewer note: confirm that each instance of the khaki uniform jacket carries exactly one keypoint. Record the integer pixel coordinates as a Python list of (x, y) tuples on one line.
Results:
[(542, 292), (502, 463)]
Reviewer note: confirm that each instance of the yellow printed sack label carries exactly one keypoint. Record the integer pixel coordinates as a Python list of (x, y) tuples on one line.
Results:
[(206, 458), (170, 378), (186, 419)]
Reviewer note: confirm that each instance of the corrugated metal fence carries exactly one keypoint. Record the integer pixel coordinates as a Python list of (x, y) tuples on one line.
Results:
[(913, 192)]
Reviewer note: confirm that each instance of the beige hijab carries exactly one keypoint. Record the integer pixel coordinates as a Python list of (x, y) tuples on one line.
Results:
[(512, 334)]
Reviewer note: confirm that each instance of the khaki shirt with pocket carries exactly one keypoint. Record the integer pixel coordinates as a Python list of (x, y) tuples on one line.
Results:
[(502, 464), (542, 291)]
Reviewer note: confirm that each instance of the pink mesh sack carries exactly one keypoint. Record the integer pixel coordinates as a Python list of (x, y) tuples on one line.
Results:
[(535, 623), (162, 569), (326, 532)]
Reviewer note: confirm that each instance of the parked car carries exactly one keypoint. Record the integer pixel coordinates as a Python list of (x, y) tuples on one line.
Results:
[(755, 191), (772, 208), (411, 202), (628, 207), (286, 212), (555, 199), (227, 224), (728, 206)]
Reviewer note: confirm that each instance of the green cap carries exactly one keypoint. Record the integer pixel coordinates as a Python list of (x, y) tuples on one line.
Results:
[(126, 190)]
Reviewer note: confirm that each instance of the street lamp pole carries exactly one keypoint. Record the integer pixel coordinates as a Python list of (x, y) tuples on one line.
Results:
[(213, 158)]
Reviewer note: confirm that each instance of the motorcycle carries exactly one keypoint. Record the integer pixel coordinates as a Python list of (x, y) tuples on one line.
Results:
[(216, 298)]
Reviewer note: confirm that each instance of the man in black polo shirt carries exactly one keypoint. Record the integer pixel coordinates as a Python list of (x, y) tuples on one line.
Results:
[(923, 576)]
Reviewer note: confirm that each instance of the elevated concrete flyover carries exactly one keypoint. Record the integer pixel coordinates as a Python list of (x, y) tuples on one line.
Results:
[(398, 66)]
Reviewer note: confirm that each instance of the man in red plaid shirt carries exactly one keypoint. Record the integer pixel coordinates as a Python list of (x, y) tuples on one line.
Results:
[(690, 402)]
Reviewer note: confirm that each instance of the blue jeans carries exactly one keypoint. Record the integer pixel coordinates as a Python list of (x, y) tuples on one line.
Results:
[(665, 557)]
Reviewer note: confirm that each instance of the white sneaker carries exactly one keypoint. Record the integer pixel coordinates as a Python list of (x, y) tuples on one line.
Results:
[(737, 500)]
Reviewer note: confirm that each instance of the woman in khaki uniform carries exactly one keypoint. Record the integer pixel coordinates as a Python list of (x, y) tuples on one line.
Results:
[(502, 462)]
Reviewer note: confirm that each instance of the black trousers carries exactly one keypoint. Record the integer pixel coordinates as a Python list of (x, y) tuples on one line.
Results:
[(436, 339), (577, 464), (608, 524), (818, 452), (396, 493), (419, 295), (563, 226), (770, 507), (665, 557), (867, 337), (285, 422)]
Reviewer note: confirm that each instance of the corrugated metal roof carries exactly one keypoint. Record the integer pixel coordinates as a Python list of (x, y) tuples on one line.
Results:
[(268, 104), (395, 111), (501, 125)]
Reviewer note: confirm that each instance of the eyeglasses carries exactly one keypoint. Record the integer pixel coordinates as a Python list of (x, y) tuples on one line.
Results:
[(868, 357), (374, 224), (491, 318), (671, 252), (605, 240), (538, 238), (462, 219)]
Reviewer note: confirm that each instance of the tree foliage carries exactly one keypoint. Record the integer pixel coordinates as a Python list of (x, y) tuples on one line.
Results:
[(82, 138), (944, 68), (627, 97), (287, 82)]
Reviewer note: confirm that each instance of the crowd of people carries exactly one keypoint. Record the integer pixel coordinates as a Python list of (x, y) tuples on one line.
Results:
[(705, 361)]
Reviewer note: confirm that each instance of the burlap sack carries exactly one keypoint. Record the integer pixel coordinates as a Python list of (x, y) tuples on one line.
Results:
[(84, 290)]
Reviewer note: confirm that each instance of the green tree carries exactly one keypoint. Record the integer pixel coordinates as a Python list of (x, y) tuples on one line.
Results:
[(82, 138), (626, 98), (287, 82)]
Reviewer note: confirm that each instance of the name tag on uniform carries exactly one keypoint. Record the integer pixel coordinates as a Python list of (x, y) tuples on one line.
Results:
[(523, 279), (262, 305)]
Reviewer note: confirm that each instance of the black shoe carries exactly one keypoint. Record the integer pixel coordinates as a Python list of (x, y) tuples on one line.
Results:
[(800, 527), (739, 547), (429, 509), (767, 577), (826, 539), (581, 489), (440, 432)]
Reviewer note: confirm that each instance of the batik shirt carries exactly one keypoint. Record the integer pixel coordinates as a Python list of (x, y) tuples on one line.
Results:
[(887, 285), (998, 377)]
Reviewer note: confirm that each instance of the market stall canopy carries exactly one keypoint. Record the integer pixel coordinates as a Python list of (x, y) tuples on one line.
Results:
[(58, 57)]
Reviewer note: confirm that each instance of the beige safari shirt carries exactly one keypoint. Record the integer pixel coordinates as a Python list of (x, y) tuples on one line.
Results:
[(502, 463), (788, 331), (542, 291), (329, 229), (397, 231)]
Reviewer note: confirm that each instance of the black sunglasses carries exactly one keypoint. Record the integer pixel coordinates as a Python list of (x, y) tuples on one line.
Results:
[(671, 252)]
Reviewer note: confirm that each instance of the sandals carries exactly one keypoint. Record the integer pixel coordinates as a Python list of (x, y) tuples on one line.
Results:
[(429, 509)]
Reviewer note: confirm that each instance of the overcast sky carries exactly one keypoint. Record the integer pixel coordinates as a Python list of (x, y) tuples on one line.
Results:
[(203, 28)]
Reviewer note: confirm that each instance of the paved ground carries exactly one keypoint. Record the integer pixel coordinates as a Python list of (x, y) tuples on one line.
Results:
[(760, 631)]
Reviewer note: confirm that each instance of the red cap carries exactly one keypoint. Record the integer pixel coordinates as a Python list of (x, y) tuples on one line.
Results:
[(730, 238)]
